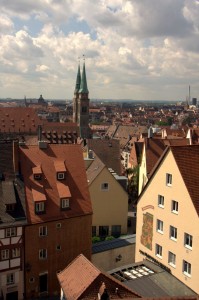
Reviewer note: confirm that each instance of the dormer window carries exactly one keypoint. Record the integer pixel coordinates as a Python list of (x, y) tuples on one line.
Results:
[(39, 199), (60, 169), (39, 207), (60, 176), (37, 172), (65, 203)]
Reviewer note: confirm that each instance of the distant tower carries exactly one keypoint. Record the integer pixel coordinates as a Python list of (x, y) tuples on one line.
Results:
[(81, 103)]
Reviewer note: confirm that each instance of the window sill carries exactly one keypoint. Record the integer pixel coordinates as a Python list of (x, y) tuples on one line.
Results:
[(159, 231), (160, 206), (173, 239), (187, 274), (172, 265), (188, 247), (174, 212), (159, 256)]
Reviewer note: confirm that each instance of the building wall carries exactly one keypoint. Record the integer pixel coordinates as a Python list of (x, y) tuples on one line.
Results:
[(109, 207), (74, 237), (186, 221), (142, 172), (107, 260)]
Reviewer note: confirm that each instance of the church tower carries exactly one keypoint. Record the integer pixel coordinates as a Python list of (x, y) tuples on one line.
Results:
[(81, 103)]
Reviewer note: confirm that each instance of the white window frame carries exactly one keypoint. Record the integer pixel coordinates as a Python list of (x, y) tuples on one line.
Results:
[(42, 254), (60, 175), (161, 201), (160, 226), (39, 207), (10, 278), (158, 250), (5, 254), (11, 231), (105, 186), (16, 252), (168, 179), (188, 240), (172, 259), (65, 203), (174, 206), (186, 268), (173, 233), (43, 231)]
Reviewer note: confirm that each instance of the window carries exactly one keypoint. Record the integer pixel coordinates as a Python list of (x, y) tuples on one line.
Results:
[(93, 230), (174, 206), (39, 207), (11, 232), (172, 259), (168, 179), (58, 225), (32, 279), (60, 176), (173, 233), (10, 279), (186, 268), (16, 252), (65, 203), (37, 176), (160, 201), (84, 109), (103, 231), (58, 247), (158, 250), (188, 240), (5, 254), (43, 254), (116, 230), (42, 230), (10, 207), (104, 186), (160, 226)]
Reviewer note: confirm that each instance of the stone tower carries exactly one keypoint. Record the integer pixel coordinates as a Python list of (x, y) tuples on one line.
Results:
[(81, 103)]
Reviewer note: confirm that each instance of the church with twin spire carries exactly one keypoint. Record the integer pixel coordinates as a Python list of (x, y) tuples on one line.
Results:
[(81, 103)]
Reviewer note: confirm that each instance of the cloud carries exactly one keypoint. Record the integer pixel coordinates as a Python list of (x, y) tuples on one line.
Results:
[(134, 49)]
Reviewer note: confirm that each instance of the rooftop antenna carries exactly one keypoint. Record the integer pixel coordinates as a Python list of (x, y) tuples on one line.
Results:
[(189, 95)]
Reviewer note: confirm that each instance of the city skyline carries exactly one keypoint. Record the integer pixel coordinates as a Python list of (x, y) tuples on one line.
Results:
[(134, 49)]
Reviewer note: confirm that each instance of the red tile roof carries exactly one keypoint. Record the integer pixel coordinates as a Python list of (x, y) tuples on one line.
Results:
[(75, 180), (18, 120), (82, 280), (38, 194), (187, 159)]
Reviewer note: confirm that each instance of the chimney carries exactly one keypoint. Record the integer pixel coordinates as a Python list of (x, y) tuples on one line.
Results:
[(15, 153)]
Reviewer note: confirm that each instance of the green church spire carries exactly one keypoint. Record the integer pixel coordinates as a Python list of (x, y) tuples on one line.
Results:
[(78, 80), (83, 85)]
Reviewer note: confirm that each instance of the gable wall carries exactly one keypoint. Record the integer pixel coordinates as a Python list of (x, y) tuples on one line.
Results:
[(185, 221)]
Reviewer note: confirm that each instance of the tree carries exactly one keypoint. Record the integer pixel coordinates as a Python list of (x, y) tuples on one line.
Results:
[(133, 181)]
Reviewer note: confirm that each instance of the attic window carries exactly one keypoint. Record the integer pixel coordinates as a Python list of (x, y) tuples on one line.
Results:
[(65, 203), (60, 176), (37, 172), (10, 207), (39, 207)]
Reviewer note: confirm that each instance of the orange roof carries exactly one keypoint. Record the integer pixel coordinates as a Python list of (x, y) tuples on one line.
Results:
[(75, 180), (59, 166), (18, 119), (38, 194), (63, 190), (37, 170), (82, 280)]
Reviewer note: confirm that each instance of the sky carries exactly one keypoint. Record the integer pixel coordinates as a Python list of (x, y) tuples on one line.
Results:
[(134, 49)]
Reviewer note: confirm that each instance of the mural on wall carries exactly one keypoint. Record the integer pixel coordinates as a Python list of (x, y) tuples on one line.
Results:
[(147, 231)]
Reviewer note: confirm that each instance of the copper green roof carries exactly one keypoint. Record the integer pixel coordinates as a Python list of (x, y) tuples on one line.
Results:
[(83, 85), (78, 80)]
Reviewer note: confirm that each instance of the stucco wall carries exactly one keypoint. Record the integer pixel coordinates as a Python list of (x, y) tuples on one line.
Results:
[(109, 207), (185, 221), (107, 260)]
